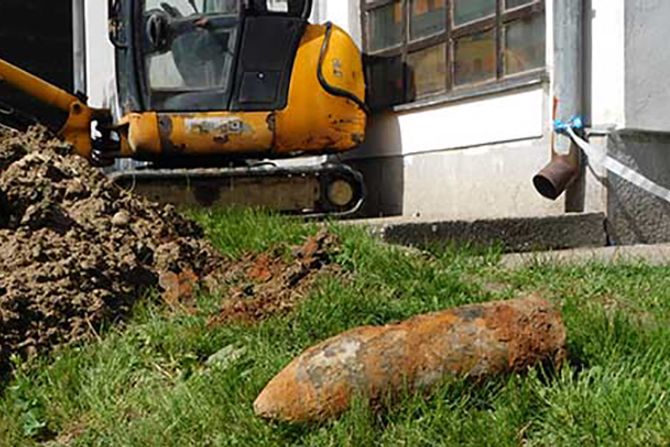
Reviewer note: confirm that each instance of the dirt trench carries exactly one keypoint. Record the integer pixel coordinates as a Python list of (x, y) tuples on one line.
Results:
[(269, 284)]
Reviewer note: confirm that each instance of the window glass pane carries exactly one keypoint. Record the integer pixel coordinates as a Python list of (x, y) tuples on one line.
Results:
[(525, 44), (386, 76), (176, 8), (196, 60), (468, 10), (509, 4), (427, 71), (219, 6), (427, 17), (292, 7), (184, 8), (385, 26), (475, 58)]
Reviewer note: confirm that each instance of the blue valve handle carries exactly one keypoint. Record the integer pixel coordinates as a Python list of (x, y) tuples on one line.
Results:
[(575, 123)]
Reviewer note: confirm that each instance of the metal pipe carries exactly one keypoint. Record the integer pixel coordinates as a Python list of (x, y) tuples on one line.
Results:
[(568, 63), (565, 169), (561, 173)]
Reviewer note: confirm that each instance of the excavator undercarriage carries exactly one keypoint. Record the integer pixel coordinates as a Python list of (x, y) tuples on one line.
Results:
[(314, 191)]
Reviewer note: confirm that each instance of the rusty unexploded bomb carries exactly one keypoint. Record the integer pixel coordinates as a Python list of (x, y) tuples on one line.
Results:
[(475, 341)]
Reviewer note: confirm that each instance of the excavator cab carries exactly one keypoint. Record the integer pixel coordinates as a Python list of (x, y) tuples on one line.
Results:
[(234, 78), (206, 55)]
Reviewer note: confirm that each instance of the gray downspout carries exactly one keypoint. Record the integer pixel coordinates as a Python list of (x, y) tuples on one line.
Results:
[(564, 171), (79, 46), (568, 60), (573, 89)]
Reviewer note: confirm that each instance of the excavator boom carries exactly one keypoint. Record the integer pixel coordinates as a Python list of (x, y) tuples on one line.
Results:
[(76, 127)]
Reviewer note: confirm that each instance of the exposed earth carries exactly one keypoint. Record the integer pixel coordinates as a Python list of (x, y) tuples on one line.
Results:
[(268, 284), (76, 252)]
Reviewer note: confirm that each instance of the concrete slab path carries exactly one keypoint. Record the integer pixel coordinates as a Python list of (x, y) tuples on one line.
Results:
[(657, 255)]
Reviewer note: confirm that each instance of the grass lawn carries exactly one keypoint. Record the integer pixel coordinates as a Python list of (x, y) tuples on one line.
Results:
[(149, 384)]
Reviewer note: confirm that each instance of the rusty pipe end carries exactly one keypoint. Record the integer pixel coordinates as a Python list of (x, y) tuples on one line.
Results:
[(557, 176)]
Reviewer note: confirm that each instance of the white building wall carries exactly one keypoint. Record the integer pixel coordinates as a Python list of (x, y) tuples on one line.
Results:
[(629, 68), (643, 140), (604, 78), (99, 53), (477, 183), (499, 118), (607, 78), (647, 64), (344, 13), (464, 159)]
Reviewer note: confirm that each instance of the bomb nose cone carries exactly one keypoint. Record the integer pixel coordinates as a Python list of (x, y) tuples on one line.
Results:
[(264, 405), (277, 398), (320, 382)]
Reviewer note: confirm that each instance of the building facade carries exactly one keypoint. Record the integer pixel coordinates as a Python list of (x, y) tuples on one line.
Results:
[(464, 94), (469, 116)]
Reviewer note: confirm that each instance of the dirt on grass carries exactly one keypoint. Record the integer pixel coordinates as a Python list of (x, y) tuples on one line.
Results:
[(76, 251), (273, 283)]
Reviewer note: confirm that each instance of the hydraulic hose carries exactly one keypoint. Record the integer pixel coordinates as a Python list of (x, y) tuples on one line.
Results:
[(335, 91)]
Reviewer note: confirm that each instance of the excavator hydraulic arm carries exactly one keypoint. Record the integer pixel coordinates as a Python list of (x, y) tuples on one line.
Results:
[(77, 127)]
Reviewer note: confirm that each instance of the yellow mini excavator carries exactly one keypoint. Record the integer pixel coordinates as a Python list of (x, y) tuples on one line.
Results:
[(209, 92)]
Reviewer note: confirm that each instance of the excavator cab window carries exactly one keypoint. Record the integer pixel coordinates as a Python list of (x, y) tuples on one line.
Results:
[(189, 52), (206, 55)]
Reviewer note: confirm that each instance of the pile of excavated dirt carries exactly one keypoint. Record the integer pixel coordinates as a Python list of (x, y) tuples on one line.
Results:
[(268, 284), (76, 251)]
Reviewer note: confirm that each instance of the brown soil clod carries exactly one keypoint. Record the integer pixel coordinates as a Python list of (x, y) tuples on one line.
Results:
[(76, 251), (267, 284)]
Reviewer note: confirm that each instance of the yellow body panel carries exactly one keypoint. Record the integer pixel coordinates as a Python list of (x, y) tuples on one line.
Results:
[(314, 121), (77, 128), (140, 134), (214, 133), (221, 133)]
